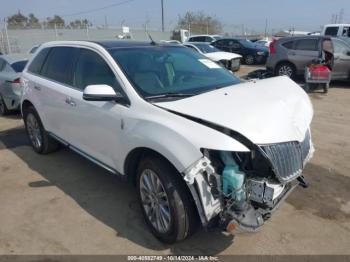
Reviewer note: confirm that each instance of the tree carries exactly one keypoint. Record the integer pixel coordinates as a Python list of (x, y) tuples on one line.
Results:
[(56, 21), (33, 22), (200, 23), (17, 21), (79, 24)]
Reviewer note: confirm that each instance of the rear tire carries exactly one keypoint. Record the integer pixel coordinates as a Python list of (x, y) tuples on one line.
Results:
[(176, 204), (286, 69), (40, 140), (3, 108)]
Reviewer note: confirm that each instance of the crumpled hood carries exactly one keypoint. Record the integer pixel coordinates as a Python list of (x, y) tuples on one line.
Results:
[(268, 111), (217, 56)]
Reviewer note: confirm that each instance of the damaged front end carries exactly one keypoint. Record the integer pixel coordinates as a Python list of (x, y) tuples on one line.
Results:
[(238, 191)]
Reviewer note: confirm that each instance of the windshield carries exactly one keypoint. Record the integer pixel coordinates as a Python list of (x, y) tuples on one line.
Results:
[(205, 48), (247, 43), (161, 70)]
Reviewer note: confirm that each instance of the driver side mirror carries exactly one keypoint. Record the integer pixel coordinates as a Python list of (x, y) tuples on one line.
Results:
[(104, 93), (348, 53)]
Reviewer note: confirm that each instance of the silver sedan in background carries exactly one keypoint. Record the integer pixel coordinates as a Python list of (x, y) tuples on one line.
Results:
[(11, 67)]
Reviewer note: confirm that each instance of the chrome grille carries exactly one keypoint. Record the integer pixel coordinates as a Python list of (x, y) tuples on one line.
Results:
[(288, 159)]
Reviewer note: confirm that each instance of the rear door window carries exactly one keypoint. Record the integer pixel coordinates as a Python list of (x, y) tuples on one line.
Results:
[(332, 31), (234, 44), (60, 63), (307, 45), (38, 61)]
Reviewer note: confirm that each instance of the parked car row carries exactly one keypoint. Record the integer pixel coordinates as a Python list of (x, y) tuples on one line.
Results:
[(231, 61), (202, 147), (251, 53)]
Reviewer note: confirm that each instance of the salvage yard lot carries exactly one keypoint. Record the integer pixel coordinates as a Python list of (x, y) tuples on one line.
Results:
[(63, 204)]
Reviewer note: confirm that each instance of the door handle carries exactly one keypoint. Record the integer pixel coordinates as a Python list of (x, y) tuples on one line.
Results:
[(70, 101), (37, 88)]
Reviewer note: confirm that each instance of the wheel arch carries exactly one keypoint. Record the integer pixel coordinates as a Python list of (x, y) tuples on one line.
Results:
[(134, 157), (25, 105)]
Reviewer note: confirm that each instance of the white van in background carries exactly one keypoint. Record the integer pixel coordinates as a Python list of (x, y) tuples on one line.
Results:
[(336, 30)]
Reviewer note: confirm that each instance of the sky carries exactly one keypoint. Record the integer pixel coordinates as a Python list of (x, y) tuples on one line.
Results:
[(308, 15)]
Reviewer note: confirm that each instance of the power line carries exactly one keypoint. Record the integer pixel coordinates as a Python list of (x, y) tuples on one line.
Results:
[(98, 9)]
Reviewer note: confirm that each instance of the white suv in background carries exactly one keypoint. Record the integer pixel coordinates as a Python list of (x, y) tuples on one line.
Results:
[(199, 145)]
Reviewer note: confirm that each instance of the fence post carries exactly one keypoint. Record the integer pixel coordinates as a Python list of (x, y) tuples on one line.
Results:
[(8, 40), (56, 32), (87, 32)]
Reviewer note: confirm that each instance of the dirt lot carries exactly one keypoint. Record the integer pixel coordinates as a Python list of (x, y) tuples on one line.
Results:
[(63, 204)]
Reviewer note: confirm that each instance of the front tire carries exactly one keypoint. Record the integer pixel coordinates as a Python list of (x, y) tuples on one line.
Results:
[(165, 201), (40, 140)]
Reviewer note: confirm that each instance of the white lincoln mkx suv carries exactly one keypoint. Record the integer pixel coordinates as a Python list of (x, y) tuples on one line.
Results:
[(202, 147)]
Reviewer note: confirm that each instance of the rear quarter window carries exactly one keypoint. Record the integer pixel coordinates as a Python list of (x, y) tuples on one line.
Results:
[(38, 61), (288, 45), (306, 45)]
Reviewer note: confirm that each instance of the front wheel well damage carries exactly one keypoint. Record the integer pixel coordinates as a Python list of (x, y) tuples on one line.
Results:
[(131, 166)]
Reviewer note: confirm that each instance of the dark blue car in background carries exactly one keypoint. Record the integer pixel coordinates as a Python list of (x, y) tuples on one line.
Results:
[(251, 53)]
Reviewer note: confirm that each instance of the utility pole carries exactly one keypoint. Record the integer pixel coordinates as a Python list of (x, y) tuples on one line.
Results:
[(266, 28), (106, 23), (162, 3)]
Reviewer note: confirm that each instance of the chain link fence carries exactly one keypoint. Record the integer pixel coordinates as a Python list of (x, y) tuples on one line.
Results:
[(22, 40)]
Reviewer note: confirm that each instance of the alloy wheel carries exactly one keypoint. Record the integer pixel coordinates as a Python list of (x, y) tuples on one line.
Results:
[(285, 70), (155, 201), (249, 60), (34, 131)]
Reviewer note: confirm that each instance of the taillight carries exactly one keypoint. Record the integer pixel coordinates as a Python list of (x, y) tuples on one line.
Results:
[(16, 81), (272, 47)]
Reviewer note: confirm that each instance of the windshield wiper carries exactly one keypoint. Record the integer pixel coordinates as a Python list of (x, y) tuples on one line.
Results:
[(169, 95)]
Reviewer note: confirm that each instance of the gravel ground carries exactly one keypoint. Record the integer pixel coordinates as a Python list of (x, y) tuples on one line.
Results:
[(63, 204)]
